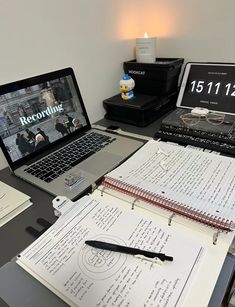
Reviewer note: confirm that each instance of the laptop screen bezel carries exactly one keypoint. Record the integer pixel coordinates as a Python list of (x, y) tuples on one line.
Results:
[(186, 73), (17, 85)]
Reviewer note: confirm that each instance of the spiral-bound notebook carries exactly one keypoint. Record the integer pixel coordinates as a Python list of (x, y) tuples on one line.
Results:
[(184, 185), (186, 182)]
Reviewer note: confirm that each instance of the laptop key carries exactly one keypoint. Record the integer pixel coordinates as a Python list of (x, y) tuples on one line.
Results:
[(82, 158)]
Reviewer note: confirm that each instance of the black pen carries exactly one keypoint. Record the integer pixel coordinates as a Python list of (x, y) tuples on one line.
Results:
[(128, 250)]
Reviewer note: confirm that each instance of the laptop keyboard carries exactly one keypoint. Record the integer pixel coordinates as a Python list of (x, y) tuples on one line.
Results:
[(59, 162)]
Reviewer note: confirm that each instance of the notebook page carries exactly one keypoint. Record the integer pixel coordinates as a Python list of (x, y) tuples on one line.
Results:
[(200, 180), (86, 276)]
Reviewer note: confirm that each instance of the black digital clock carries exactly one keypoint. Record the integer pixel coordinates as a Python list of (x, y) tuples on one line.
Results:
[(210, 86)]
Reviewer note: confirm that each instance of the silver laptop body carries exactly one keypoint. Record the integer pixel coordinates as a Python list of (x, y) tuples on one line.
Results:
[(47, 139)]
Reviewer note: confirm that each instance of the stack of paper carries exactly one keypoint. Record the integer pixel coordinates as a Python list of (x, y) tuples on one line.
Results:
[(12, 202)]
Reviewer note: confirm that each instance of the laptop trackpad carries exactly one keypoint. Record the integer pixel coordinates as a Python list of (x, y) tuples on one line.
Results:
[(100, 163)]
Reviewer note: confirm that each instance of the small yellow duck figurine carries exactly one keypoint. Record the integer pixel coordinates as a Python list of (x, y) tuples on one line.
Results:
[(126, 86)]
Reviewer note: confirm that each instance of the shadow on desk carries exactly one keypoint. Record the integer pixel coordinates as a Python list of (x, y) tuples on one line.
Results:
[(13, 235), (19, 289)]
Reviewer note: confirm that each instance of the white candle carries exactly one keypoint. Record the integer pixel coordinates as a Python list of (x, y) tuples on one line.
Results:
[(146, 49)]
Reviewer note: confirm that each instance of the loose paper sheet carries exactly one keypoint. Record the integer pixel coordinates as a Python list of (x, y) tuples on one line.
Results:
[(12, 202), (86, 276)]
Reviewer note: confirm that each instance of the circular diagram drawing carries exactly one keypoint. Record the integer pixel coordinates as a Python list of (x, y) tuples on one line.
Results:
[(101, 264)]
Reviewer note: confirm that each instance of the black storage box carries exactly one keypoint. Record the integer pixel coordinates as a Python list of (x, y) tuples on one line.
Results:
[(139, 111), (159, 78)]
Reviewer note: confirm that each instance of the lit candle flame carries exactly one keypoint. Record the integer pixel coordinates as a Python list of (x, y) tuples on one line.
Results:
[(145, 35)]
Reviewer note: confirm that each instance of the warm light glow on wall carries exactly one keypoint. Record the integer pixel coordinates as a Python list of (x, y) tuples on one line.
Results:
[(159, 23)]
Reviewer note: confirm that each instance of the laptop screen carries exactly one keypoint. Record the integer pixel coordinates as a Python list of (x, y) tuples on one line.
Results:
[(210, 86), (37, 113)]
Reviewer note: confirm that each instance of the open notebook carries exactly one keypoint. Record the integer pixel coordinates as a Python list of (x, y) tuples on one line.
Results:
[(84, 276), (187, 182)]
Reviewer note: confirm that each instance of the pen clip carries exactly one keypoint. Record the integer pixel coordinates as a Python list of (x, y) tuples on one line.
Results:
[(154, 260), (160, 151), (162, 162)]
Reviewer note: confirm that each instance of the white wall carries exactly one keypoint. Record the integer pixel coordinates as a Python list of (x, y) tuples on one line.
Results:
[(92, 36), (96, 36), (197, 30)]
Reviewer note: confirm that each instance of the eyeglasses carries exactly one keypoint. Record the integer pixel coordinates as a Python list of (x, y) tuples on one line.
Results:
[(190, 119)]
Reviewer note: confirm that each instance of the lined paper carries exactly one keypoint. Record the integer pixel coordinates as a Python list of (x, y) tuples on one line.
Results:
[(200, 180)]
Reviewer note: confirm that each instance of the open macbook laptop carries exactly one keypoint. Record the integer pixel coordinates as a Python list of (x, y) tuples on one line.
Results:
[(46, 136)]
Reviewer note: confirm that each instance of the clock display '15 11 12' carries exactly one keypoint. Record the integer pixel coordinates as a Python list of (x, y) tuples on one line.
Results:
[(212, 87)]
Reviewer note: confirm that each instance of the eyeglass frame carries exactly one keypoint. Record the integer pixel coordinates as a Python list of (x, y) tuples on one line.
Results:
[(202, 115)]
